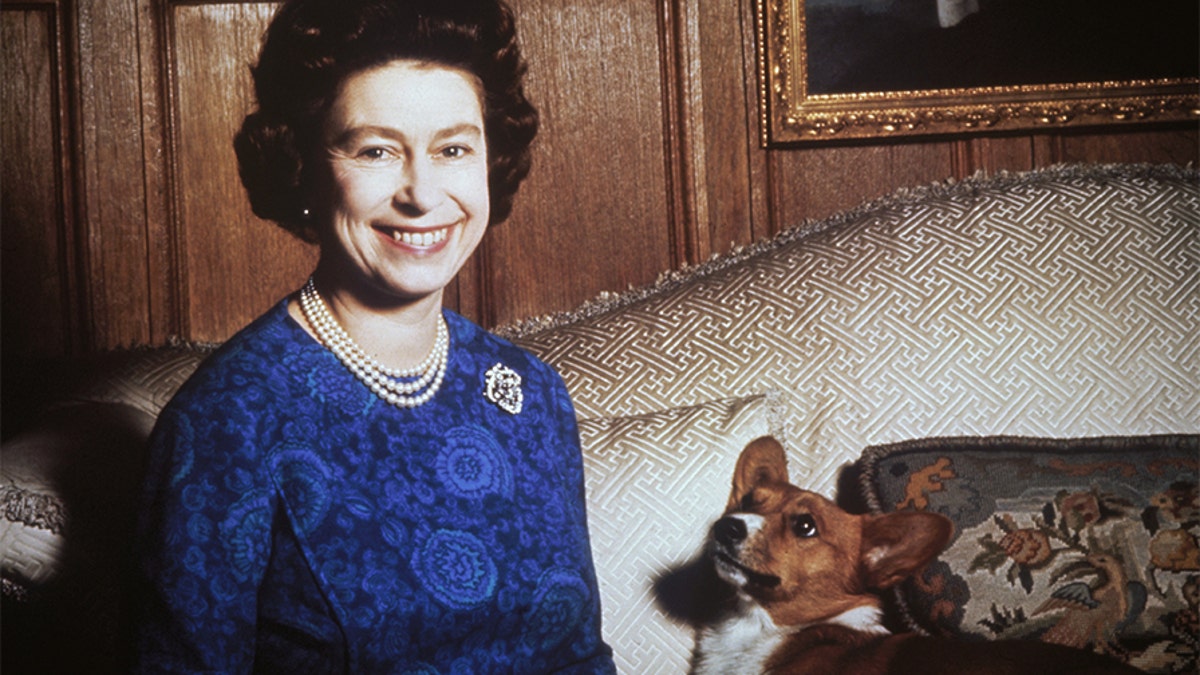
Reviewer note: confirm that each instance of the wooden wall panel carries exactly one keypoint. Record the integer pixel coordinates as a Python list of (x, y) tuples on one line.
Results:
[(812, 183), (729, 177), (1176, 145), (36, 261), (233, 265), (114, 198), (993, 154), (594, 213), (161, 270)]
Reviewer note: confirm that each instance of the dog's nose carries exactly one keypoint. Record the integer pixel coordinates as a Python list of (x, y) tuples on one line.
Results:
[(729, 531)]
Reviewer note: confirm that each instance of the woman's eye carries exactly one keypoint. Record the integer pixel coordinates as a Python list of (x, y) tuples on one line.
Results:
[(374, 154), (455, 151)]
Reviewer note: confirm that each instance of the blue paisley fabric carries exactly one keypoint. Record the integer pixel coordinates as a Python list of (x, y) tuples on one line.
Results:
[(295, 523)]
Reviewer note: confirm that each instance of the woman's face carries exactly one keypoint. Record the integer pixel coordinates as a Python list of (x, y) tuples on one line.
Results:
[(408, 160)]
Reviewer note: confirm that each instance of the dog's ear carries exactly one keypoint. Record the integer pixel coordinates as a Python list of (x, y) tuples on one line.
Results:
[(896, 545), (762, 461)]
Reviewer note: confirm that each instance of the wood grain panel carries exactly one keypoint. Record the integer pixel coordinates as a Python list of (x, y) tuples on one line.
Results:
[(111, 161), (812, 183), (156, 174), (593, 215), (1174, 144), (35, 259), (234, 266), (992, 154), (721, 97)]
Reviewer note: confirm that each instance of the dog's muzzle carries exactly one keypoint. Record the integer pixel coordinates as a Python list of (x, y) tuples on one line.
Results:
[(726, 538)]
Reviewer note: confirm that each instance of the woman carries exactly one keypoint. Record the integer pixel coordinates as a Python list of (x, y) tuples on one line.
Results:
[(360, 481)]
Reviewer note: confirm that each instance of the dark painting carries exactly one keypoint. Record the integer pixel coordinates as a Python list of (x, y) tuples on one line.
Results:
[(912, 45)]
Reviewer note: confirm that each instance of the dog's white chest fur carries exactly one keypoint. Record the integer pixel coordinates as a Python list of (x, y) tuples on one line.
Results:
[(742, 644)]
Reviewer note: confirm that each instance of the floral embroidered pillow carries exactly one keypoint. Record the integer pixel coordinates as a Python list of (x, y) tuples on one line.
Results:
[(1086, 542)]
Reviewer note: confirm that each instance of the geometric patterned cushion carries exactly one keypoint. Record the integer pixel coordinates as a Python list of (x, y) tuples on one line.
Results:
[(31, 537), (655, 484), (146, 379), (1056, 303), (1086, 542)]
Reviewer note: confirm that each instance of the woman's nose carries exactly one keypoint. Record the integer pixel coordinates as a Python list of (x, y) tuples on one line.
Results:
[(417, 191)]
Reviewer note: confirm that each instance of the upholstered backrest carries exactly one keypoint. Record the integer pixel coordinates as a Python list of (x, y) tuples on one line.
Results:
[(1059, 303)]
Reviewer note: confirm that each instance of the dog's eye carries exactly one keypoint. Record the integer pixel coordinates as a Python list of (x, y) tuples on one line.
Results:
[(804, 526)]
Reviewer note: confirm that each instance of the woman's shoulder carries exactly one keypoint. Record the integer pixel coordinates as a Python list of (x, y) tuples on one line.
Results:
[(480, 341), (252, 360), (489, 347)]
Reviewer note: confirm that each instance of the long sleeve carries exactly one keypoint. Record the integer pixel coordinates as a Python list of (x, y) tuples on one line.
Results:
[(202, 545), (595, 655)]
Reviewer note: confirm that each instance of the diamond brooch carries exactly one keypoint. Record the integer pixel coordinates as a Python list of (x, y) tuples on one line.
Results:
[(503, 387)]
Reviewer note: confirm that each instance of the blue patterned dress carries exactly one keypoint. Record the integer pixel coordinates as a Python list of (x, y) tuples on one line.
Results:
[(293, 522)]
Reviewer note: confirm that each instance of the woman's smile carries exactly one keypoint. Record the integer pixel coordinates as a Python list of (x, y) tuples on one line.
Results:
[(428, 241)]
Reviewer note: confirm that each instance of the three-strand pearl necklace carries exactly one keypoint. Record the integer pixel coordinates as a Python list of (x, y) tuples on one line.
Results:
[(404, 388)]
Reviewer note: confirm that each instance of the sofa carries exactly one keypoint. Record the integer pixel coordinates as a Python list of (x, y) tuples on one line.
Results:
[(1019, 351)]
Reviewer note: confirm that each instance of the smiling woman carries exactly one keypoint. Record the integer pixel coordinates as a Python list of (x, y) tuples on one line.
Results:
[(360, 463)]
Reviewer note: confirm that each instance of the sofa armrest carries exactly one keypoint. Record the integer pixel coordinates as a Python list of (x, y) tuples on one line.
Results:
[(68, 489)]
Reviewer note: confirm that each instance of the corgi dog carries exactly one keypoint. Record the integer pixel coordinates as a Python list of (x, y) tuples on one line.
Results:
[(805, 575)]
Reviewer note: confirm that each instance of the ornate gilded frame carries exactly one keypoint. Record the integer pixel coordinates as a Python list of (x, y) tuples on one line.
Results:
[(791, 115)]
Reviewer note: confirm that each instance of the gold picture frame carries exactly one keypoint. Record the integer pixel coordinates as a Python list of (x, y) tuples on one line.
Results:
[(793, 112)]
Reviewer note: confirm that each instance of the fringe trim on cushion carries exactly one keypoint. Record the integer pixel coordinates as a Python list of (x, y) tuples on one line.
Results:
[(970, 187), (13, 591), (44, 512)]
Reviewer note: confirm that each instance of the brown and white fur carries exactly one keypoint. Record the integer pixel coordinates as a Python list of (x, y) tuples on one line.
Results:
[(806, 575)]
